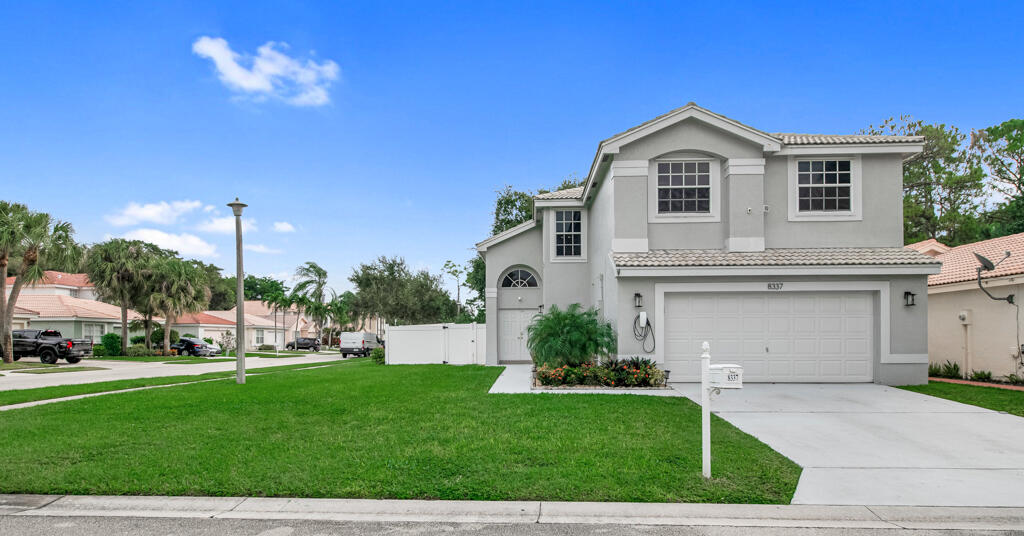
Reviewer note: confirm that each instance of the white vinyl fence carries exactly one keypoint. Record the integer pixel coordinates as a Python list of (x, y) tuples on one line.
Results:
[(454, 344)]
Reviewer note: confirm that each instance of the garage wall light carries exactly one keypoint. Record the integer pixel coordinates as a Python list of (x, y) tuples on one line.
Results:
[(908, 298), (638, 300)]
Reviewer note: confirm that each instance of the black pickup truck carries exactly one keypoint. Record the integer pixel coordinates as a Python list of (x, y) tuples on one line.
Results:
[(49, 345)]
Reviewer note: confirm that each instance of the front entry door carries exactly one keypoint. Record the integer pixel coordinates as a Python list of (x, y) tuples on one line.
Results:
[(512, 334)]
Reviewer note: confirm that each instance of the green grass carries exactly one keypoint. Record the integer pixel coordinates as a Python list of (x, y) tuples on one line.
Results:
[(362, 430), (140, 359), (994, 398), (19, 365), (197, 361), (56, 370), (19, 396)]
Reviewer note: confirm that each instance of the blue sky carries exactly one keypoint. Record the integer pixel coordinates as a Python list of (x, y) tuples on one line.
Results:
[(385, 128)]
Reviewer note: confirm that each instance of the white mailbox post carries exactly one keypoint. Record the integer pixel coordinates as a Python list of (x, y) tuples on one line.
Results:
[(713, 378)]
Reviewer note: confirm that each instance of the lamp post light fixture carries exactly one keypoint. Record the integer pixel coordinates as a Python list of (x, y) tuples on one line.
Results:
[(236, 209)]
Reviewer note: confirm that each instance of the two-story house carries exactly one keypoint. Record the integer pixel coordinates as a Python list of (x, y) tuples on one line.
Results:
[(784, 251)]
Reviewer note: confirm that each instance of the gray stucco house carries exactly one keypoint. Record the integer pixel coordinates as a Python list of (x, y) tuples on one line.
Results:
[(784, 251)]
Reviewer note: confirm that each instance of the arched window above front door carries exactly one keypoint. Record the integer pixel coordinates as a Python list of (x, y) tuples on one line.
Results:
[(519, 279)]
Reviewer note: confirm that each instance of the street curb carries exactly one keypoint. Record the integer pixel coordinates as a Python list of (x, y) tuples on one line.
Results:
[(518, 512)]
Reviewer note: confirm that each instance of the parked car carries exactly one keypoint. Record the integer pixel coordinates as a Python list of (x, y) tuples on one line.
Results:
[(49, 345), (193, 347), (304, 343), (358, 343)]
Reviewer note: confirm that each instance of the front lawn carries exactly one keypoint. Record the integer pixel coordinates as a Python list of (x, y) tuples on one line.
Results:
[(19, 365), (54, 370), (197, 361), (363, 430), (987, 397)]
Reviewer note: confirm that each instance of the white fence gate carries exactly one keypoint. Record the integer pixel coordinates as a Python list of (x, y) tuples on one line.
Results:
[(454, 344)]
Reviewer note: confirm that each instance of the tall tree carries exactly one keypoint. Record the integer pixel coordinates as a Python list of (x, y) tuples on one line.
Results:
[(29, 241), (513, 207), (181, 288), (388, 289), (222, 289), (942, 186), (1002, 149), (121, 271), (457, 272), (311, 284)]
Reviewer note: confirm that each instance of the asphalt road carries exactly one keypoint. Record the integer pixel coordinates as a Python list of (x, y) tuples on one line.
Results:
[(118, 526)]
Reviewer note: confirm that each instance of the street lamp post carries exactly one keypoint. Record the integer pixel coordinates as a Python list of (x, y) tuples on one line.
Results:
[(236, 209)]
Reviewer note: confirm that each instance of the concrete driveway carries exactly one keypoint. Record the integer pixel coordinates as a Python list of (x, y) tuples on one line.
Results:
[(865, 444)]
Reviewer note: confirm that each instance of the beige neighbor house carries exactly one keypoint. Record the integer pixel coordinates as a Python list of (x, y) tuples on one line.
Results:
[(214, 324), (59, 283), (74, 317), (22, 317), (302, 325), (965, 325)]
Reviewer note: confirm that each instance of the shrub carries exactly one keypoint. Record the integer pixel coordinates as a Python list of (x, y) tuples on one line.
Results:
[(139, 350), (571, 337), (950, 370), (208, 340), (1014, 379), (137, 339), (981, 375), (157, 337), (632, 372), (266, 347), (189, 335), (111, 344), (934, 370), (377, 355), (98, 350)]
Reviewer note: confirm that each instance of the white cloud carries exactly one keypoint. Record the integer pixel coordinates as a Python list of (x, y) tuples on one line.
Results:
[(162, 212), (209, 208), (271, 74), (260, 248), (184, 243), (284, 227), (225, 225)]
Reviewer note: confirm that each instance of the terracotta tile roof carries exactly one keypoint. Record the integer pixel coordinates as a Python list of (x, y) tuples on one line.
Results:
[(256, 307), (930, 247), (771, 257), (52, 277), (250, 319), (60, 306), (568, 193), (959, 264), (21, 311), (844, 139), (203, 318)]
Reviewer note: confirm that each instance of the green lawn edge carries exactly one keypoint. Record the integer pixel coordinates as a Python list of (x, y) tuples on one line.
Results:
[(994, 398)]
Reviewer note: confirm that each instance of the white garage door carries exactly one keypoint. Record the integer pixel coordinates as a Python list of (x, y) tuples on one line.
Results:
[(777, 337)]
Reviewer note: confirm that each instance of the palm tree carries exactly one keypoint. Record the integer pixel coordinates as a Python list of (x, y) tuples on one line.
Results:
[(312, 285), (122, 270), (337, 311), (276, 300), (181, 288), (34, 240)]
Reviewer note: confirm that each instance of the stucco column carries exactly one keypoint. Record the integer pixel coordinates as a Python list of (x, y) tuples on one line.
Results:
[(744, 204), (491, 300)]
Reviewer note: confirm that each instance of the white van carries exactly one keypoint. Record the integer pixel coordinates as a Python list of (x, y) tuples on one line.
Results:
[(358, 343)]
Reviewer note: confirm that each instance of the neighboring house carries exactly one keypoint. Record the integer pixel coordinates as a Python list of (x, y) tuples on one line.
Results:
[(74, 317), (964, 325), (302, 325), (59, 283), (213, 324), (22, 317), (784, 251), (930, 247)]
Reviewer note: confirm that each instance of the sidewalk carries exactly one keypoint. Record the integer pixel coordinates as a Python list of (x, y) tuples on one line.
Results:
[(519, 512)]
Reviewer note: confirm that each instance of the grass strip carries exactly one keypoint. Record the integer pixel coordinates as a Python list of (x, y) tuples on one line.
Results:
[(197, 361), (56, 370), (19, 365), (18, 396), (992, 398)]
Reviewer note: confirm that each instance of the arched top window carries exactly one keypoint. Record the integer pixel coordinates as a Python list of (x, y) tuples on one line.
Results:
[(519, 279)]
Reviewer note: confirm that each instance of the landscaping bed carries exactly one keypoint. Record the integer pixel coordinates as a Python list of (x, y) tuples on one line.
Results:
[(611, 373), (358, 430)]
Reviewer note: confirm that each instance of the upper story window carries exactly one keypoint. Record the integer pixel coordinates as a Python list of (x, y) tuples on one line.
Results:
[(568, 233), (825, 188), (823, 185), (519, 279), (684, 187)]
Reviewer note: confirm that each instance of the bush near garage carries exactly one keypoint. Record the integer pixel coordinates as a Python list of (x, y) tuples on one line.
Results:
[(99, 350), (139, 350), (570, 337), (111, 343), (377, 355), (631, 372)]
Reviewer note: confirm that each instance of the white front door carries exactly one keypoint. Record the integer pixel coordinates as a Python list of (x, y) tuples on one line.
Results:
[(776, 337), (512, 335)]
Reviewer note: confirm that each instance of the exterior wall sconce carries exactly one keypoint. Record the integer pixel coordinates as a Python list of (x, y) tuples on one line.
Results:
[(540, 308), (638, 300), (908, 299)]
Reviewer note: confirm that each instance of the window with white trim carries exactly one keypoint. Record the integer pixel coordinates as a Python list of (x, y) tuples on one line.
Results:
[(684, 187), (519, 279), (824, 185), (259, 336), (568, 233)]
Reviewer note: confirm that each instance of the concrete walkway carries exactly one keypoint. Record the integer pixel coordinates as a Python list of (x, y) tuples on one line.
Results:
[(871, 444), (524, 512), (129, 370)]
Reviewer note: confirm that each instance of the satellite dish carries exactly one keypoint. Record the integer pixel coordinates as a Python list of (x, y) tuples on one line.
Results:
[(985, 263)]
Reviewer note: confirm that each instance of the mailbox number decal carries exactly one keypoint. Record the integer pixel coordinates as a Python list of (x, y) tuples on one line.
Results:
[(733, 376), (775, 285)]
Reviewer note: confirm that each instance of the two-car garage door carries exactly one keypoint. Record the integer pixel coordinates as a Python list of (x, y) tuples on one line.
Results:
[(776, 337)]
